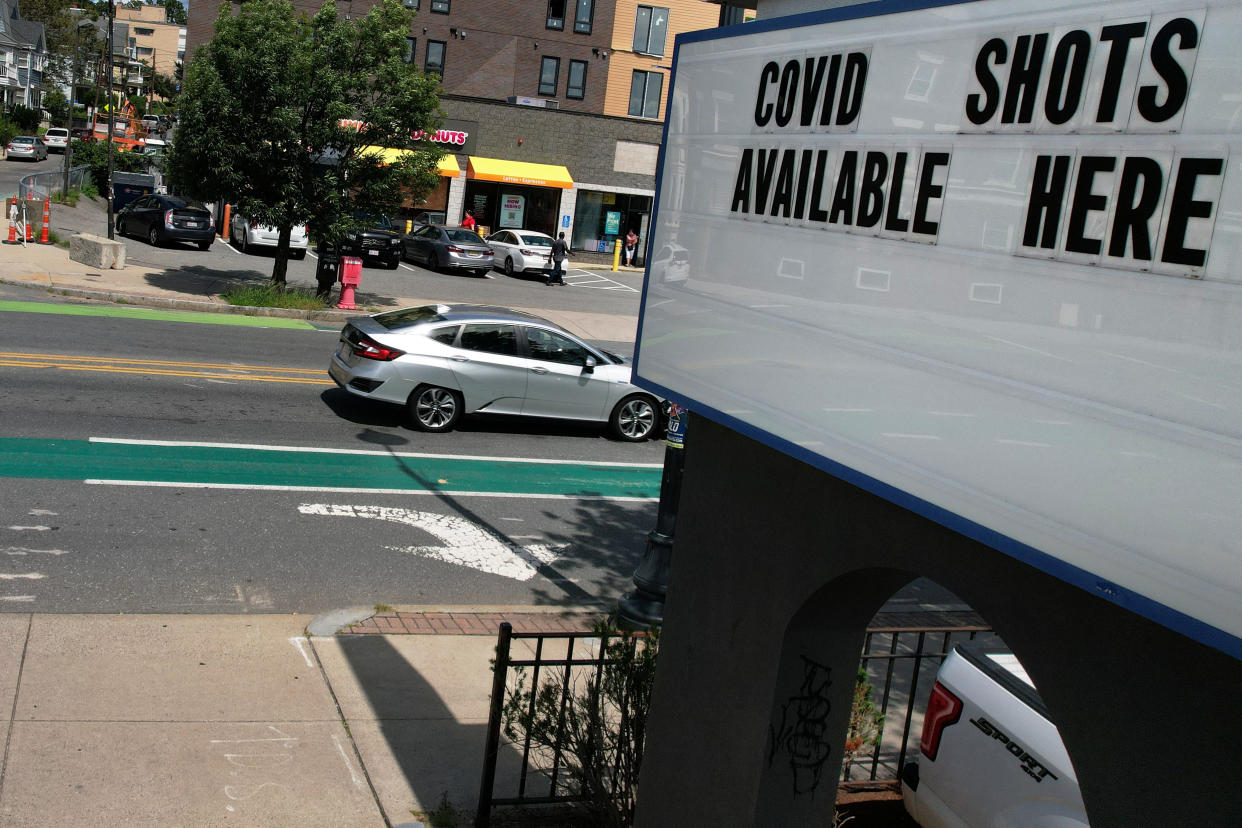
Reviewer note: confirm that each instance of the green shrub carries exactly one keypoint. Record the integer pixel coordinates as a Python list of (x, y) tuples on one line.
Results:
[(95, 154), (27, 119), (268, 295)]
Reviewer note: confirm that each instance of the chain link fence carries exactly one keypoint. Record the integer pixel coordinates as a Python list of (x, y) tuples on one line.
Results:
[(47, 184)]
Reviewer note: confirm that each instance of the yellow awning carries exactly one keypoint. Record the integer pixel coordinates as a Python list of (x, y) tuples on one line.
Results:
[(519, 172), (447, 166)]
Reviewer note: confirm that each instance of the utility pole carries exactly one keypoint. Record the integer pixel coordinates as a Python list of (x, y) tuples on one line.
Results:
[(111, 116)]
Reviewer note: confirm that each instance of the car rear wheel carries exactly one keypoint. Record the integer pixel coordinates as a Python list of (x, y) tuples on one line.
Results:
[(204, 245), (299, 254), (634, 419), (153, 236), (508, 265), (433, 408)]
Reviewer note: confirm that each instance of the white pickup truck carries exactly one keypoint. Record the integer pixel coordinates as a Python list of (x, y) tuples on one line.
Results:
[(990, 754)]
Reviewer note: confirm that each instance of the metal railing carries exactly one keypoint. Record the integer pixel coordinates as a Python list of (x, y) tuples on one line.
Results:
[(900, 661), (47, 184)]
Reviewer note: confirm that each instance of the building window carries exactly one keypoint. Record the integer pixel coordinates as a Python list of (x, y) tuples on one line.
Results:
[(576, 87), (650, 30), (410, 4), (408, 55), (434, 63), (645, 89), (440, 6), (584, 13), (145, 50), (144, 32), (549, 75), (556, 14)]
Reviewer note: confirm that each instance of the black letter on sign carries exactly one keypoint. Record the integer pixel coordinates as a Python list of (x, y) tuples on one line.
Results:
[(852, 83), (1044, 205), (763, 179), (1120, 36), (818, 213), (1024, 77), (1163, 62), (927, 191), (981, 111), (1183, 207), (843, 198), (871, 192), (812, 80), (788, 94), (783, 198), (1063, 97), (1084, 202), (763, 111), (1132, 214), (891, 222), (741, 190), (830, 89)]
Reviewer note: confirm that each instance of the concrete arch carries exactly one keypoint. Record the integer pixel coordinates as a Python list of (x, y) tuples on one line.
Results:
[(776, 571)]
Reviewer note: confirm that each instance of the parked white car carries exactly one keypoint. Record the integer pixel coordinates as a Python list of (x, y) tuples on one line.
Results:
[(243, 235), (518, 251), (56, 138)]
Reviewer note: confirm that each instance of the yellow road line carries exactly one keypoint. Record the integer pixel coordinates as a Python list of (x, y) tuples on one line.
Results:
[(220, 366), (167, 373)]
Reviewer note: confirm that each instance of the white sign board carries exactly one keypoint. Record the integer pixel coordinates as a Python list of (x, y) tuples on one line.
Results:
[(512, 210), (983, 259)]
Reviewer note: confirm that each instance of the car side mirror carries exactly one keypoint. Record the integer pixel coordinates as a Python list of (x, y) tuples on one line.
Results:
[(588, 365)]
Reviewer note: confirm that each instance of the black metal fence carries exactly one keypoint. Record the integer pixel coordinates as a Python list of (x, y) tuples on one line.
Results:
[(900, 662)]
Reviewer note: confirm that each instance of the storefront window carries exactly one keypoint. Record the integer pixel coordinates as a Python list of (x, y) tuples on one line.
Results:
[(600, 218)]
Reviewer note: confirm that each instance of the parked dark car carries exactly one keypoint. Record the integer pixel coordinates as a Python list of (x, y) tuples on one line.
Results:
[(441, 247), (165, 218), (381, 242)]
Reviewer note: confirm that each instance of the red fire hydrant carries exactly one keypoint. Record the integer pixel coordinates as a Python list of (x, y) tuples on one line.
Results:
[(351, 277)]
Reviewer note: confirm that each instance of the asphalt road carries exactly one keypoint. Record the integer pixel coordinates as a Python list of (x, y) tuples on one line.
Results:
[(125, 491)]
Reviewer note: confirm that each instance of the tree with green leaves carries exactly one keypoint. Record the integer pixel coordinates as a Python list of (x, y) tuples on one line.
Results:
[(265, 112), (175, 11)]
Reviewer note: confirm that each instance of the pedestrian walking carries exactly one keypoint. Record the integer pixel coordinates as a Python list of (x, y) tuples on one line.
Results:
[(560, 251), (631, 246)]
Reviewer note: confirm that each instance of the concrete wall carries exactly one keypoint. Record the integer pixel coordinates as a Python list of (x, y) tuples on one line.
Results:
[(778, 568)]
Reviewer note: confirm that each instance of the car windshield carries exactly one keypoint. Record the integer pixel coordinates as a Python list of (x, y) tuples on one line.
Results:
[(22, 139), (536, 241), (375, 222), (408, 317), (462, 236), (181, 203)]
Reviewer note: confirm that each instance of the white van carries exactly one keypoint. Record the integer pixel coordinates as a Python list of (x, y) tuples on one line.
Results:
[(56, 138)]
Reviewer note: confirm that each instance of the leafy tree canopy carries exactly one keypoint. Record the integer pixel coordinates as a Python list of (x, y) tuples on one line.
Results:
[(262, 111)]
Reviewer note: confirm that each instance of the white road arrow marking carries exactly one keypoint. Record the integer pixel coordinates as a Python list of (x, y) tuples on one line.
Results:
[(463, 543), (40, 512), (13, 576), (31, 528), (21, 550)]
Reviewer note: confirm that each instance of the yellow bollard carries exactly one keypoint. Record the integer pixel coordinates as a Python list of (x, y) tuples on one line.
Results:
[(616, 255), (408, 225)]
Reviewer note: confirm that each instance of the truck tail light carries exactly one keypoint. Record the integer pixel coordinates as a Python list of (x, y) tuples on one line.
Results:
[(943, 709)]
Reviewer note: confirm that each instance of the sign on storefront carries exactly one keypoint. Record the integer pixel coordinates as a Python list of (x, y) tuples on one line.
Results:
[(612, 223), (980, 259), (512, 210)]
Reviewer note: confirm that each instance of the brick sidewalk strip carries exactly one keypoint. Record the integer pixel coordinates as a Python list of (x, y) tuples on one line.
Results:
[(472, 623)]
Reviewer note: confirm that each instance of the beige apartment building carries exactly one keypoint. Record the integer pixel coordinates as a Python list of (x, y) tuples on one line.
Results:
[(153, 41)]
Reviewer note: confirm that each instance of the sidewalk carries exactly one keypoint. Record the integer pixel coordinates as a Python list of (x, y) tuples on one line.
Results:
[(49, 267), (244, 719)]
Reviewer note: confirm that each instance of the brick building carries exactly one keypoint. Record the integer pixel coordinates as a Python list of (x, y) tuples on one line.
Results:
[(553, 108)]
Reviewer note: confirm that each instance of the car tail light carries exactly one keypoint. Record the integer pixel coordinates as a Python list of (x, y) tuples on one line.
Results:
[(168, 218), (943, 709), (452, 248), (370, 349), (526, 252)]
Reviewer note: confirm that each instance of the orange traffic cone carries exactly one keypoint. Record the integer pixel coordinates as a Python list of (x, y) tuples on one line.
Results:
[(47, 218)]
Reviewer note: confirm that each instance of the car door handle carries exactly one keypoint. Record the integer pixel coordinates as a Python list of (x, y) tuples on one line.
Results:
[(460, 359), (539, 370)]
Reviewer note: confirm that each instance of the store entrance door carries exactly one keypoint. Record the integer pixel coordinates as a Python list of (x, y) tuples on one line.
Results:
[(638, 221)]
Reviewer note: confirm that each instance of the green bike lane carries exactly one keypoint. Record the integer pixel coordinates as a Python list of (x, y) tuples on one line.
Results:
[(206, 465)]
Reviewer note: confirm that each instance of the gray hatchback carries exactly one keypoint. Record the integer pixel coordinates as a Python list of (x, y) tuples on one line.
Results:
[(441, 247)]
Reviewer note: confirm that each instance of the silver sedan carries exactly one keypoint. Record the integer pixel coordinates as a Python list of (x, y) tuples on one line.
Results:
[(27, 146), (444, 361)]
